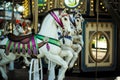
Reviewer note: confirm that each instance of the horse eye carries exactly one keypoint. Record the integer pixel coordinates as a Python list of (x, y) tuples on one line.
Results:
[(71, 27), (65, 19), (77, 20)]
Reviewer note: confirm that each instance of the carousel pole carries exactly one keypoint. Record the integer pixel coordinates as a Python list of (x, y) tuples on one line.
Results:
[(12, 14), (97, 24), (11, 65), (35, 16), (5, 28), (35, 71)]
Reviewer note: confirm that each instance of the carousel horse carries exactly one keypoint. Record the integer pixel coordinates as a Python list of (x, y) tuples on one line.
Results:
[(31, 44), (17, 30), (6, 8), (65, 53), (77, 20), (74, 41), (68, 40)]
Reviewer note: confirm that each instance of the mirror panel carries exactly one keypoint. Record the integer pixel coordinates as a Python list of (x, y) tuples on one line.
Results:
[(98, 46)]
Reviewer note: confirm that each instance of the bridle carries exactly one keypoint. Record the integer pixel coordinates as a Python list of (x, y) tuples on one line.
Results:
[(59, 21)]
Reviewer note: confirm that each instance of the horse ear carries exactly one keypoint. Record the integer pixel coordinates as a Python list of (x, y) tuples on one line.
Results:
[(64, 12)]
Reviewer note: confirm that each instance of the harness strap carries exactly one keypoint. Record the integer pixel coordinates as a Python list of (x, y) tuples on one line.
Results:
[(50, 40), (62, 36), (29, 47), (57, 19)]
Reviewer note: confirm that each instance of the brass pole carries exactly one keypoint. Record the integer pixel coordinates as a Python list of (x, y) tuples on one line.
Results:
[(12, 14), (97, 24), (35, 16)]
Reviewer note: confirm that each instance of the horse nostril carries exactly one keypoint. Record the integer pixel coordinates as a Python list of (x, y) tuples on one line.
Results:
[(69, 32)]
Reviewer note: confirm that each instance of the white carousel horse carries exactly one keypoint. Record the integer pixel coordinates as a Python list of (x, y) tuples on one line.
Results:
[(6, 7), (47, 34), (17, 30), (74, 41), (78, 43), (78, 21), (65, 53), (67, 40)]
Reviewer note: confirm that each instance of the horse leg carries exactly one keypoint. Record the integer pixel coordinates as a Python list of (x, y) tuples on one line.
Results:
[(75, 56), (77, 48), (81, 40), (7, 58), (67, 54), (11, 65), (3, 72), (58, 60), (27, 62), (61, 73), (51, 68)]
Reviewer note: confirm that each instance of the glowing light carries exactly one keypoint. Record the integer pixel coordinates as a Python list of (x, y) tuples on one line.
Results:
[(91, 1), (91, 9), (21, 9), (81, 2), (91, 5), (75, 64), (103, 7), (101, 3)]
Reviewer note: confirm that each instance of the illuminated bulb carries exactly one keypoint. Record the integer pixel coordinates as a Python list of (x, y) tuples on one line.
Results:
[(78, 6), (38, 11), (91, 1), (103, 7), (44, 4), (101, 3), (33, 2), (81, 2), (91, 9), (50, 5), (51, 2), (43, 7), (75, 64), (105, 10), (41, 10), (91, 5)]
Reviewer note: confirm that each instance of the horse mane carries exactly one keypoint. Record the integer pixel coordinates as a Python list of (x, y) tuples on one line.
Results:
[(55, 9)]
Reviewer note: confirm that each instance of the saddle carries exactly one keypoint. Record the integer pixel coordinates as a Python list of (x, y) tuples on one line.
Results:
[(22, 39)]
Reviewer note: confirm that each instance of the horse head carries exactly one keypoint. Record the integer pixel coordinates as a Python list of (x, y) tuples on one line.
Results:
[(64, 22), (18, 29), (78, 21)]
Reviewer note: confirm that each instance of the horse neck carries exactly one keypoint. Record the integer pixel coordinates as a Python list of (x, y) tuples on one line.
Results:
[(48, 27), (79, 26), (15, 32)]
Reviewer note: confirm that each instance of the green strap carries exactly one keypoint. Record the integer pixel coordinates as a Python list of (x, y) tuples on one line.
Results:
[(50, 40)]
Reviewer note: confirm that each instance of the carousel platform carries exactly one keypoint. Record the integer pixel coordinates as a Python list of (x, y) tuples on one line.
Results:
[(22, 74)]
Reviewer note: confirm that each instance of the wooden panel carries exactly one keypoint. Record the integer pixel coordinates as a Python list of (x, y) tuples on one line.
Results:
[(106, 63)]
